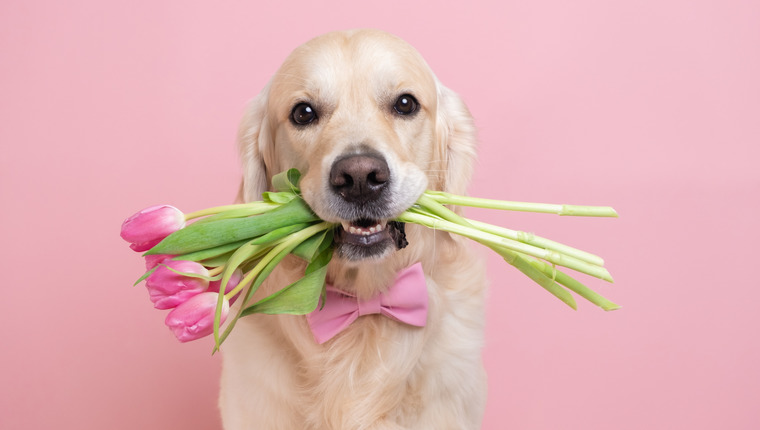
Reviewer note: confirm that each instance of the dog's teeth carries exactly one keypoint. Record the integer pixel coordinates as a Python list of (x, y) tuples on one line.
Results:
[(363, 231)]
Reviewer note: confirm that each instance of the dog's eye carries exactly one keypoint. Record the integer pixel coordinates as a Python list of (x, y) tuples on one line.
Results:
[(303, 114), (406, 105)]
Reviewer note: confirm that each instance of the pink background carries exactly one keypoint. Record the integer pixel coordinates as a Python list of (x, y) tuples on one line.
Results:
[(652, 107)]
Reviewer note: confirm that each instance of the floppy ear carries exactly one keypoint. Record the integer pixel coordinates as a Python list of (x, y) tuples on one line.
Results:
[(457, 140), (253, 142)]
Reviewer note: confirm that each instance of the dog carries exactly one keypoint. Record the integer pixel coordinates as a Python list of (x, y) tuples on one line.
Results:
[(370, 127)]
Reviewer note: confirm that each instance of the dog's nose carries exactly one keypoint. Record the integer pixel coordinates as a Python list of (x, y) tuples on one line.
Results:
[(359, 178)]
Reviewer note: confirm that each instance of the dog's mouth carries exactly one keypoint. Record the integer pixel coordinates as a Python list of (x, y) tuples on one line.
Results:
[(369, 238)]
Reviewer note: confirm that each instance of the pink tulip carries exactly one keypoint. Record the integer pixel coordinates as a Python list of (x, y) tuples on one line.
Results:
[(151, 225), (194, 319), (235, 279), (152, 261), (168, 289)]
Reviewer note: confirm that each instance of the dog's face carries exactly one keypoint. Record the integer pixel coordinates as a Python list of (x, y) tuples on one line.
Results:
[(358, 113)]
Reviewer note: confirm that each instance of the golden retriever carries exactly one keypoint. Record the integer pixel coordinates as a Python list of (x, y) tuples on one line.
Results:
[(363, 117)]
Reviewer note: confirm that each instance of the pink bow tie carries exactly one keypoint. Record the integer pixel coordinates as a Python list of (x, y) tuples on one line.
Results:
[(406, 301)]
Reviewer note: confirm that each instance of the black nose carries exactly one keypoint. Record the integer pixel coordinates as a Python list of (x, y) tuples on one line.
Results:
[(359, 178)]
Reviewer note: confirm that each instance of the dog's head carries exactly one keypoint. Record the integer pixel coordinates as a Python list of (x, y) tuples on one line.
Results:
[(364, 119)]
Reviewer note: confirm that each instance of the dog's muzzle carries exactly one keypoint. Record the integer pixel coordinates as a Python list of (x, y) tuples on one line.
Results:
[(361, 182)]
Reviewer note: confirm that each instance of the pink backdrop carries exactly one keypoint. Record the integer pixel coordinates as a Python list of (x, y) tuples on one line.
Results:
[(652, 107)]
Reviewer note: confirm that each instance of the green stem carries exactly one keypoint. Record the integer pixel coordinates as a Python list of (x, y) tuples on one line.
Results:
[(287, 244), (441, 211), (256, 283), (538, 241), (573, 285), (429, 207), (215, 271), (291, 241), (567, 210), (519, 262), (497, 243)]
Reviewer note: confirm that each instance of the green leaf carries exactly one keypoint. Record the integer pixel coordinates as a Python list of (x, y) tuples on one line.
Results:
[(246, 252), (320, 261), (255, 249), (251, 263), (275, 256), (259, 273), (199, 236), (287, 181), (300, 297), (312, 246), (278, 234), (255, 208), (219, 260), (278, 197), (328, 241), (211, 252), (145, 275)]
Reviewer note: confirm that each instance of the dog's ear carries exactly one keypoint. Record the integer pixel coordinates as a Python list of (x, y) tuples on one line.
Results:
[(253, 142), (457, 140)]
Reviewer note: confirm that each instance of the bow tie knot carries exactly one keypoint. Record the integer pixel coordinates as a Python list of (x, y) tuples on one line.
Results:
[(371, 306), (405, 301)]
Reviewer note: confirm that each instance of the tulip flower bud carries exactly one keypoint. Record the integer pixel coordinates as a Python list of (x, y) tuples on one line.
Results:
[(151, 225), (194, 319), (235, 279), (168, 288), (152, 261)]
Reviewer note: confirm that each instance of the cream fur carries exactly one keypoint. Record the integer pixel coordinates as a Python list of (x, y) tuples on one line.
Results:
[(378, 373)]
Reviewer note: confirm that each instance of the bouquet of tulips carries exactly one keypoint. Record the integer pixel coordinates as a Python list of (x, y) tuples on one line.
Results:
[(197, 269)]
